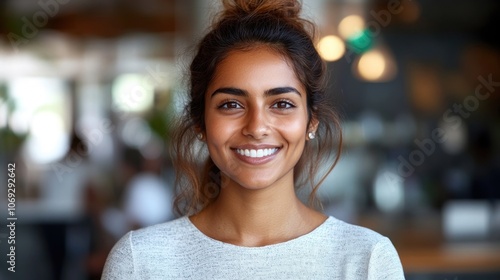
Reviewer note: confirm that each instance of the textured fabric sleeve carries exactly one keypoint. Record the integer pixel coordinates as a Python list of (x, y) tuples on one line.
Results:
[(385, 262), (120, 261)]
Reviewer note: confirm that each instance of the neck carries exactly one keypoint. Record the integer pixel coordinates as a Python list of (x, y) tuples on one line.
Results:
[(248, 217)]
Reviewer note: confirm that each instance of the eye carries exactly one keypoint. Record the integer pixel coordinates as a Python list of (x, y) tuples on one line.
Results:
[(228, 105), (283, 104)]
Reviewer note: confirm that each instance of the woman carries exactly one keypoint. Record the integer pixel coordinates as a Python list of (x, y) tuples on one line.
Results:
[(258, 105)]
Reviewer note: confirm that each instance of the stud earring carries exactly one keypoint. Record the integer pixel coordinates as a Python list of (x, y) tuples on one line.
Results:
[(199, 136), (311, 135)]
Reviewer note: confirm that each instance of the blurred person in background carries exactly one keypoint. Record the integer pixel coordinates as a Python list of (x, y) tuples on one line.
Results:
[(147, 198), (68, 208), (257, 104)]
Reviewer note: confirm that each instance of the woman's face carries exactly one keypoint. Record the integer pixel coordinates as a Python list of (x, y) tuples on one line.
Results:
[(256, 119)]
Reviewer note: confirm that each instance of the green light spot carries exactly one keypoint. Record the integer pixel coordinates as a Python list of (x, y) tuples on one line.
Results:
[(360, 42)]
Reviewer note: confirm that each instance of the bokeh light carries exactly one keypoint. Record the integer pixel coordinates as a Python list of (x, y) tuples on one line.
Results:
[(350, 26), (331, 48), (371, 65)]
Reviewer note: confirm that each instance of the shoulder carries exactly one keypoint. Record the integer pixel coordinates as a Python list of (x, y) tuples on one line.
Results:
[(355, 238), (341, 231), (372, 253), (358, 243), (159, 234), (154, 235), (148, 251)]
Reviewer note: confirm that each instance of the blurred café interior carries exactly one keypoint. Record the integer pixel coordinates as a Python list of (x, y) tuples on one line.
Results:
[(88, 90)]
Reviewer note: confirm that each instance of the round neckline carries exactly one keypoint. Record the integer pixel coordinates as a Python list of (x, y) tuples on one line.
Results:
[(202, 235)]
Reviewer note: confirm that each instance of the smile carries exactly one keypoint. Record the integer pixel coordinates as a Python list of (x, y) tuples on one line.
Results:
[(259, 153)]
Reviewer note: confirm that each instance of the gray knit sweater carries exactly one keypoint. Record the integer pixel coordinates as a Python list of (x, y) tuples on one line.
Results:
[(178, 250)]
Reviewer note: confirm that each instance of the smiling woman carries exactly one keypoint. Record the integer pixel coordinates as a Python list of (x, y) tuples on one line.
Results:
[(249, 114), (257, 104)]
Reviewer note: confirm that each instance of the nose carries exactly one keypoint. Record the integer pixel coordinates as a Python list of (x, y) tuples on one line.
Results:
[(256, 124)]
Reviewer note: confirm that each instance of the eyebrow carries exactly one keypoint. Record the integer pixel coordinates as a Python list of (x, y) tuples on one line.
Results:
[(269, 92)]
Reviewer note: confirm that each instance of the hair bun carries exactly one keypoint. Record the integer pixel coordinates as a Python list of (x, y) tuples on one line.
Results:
[(287, 9)]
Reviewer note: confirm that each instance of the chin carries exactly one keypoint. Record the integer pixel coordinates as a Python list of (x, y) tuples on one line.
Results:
[(256, 184)]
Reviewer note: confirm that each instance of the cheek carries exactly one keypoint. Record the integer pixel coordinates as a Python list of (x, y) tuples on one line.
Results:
[(218, 131), (293, 128)]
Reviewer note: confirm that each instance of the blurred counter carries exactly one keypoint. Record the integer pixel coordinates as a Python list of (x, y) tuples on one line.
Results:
[(423, 248), (460, 258)]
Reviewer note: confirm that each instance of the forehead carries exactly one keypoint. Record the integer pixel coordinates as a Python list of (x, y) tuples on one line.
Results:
[(256, 63), (255, 51)]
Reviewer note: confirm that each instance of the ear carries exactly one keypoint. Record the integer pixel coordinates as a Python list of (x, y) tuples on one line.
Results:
[(313, 125), (198, 129), (200, 134)]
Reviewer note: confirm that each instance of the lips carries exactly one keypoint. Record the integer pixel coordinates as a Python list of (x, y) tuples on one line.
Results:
[(257, 153)]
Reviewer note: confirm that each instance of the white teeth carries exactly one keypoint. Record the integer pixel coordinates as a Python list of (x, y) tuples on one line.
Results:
[(257, 153)]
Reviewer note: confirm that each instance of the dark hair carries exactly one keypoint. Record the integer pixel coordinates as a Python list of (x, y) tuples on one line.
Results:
[(243, 25)]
